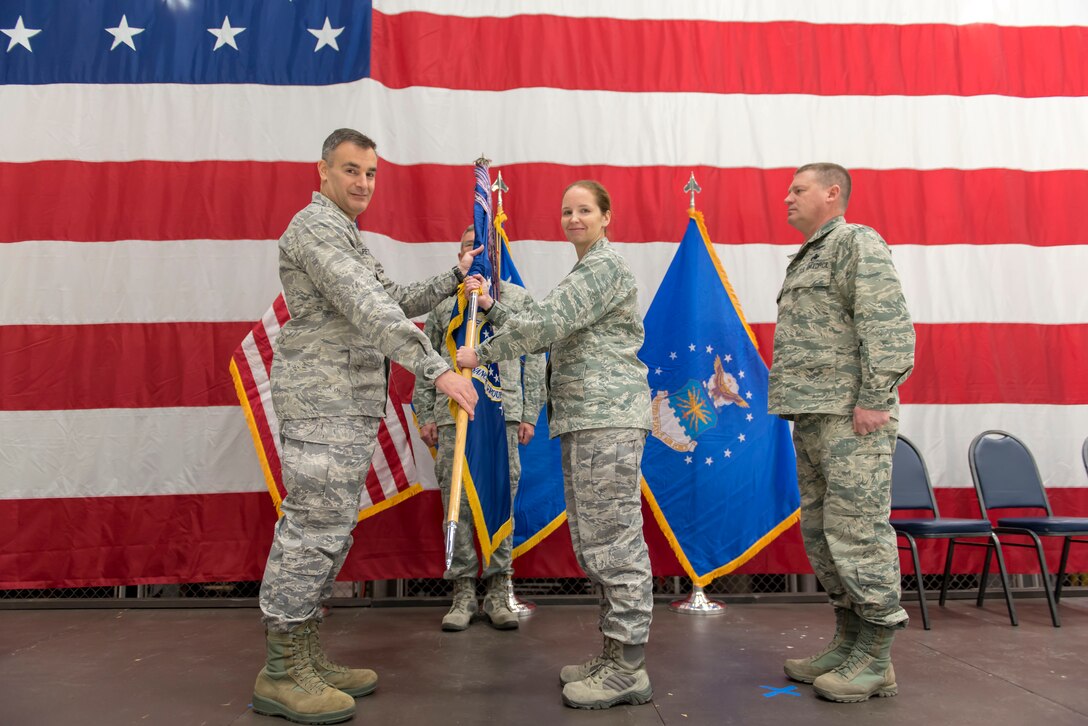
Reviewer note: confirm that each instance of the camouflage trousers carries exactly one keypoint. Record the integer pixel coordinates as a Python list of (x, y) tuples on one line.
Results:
[(324, 482), (465, 561), (604, 512), (846, 487)]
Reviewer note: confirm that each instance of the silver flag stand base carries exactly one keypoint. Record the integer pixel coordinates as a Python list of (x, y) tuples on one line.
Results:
[(523, 608), (697, 603), (451, 534)]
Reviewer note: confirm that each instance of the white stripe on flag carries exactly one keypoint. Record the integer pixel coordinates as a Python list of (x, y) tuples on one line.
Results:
[(1053, 433), (75, 286), (276, 123), (49, 283), (131, 452), (126, 452)]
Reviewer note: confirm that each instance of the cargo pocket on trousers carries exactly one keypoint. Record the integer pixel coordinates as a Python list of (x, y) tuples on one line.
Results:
[(879, 582), (306, 473), (859, 485)]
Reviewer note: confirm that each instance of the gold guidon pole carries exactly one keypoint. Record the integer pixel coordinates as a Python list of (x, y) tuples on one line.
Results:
[(453, 513)]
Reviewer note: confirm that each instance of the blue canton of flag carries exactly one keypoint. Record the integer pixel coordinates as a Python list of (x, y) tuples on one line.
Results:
[(719, 471), (222, 41), (486, 472)]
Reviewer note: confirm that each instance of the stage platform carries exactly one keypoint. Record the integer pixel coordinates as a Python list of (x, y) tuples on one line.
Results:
[(195, 667)]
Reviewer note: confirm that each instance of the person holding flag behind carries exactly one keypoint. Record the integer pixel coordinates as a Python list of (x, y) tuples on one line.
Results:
[(599, 406), (522, 397), (329, 383)]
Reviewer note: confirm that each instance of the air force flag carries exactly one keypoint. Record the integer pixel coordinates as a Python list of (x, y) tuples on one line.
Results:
[(719, 471)]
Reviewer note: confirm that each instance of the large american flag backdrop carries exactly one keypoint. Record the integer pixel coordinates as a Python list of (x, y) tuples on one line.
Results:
[(152, 152)]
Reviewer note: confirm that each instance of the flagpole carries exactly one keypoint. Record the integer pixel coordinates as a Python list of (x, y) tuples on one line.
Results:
[(453, 513), (523, 608), (697, 603)]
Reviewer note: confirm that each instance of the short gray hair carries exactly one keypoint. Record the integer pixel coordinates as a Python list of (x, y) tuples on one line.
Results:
[(829, 175), (341, 136)]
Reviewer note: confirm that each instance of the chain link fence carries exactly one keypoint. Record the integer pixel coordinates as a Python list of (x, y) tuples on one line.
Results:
[(740, 587)]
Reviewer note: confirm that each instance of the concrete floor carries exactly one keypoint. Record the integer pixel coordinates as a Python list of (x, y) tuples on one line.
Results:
[(196, 667)]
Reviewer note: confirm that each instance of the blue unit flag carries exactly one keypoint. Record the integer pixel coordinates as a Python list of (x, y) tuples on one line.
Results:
[(718, 470), (486, 472)]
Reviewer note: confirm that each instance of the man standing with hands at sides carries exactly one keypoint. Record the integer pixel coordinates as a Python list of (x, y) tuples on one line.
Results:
[(522, 397), (329, 387), (843, 345)]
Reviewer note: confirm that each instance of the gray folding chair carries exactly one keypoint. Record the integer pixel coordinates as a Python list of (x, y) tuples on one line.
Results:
[(911, 489), (1006, 477)]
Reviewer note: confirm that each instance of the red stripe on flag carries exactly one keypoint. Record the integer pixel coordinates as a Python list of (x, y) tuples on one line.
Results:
[(267, 437), (255, 200), (97, 541), (280, 306), (392, 457), (170, 364), (373, 486), (153, 200), (264, 346), (698, 56), (988, 363), (83, 542), (123, 365)]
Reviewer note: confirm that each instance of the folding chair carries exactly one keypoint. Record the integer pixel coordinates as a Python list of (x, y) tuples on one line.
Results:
[(1084, 455), (911, 489), (1006, 477)]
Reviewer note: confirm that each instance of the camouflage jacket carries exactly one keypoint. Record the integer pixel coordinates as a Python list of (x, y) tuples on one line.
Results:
[(844, 336), (522, 381), (591, 325), (347, 319)]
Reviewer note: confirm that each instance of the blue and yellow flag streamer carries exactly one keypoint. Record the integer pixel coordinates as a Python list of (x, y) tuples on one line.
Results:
[(486, 471), (718, 470)]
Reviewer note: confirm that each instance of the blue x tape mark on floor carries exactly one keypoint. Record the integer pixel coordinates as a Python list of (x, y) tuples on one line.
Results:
[(788, 690)]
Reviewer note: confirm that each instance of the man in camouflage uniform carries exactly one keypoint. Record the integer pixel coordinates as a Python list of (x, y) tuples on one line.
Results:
[(329, 383), (522, 397), (843, 345), (599, 406)]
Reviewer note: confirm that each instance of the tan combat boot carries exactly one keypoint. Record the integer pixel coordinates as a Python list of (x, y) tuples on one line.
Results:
[(620, 678), (806, 670), (572, 673), (497, 603), (356, 682), (866, 672), (464, 605), (289, 686)]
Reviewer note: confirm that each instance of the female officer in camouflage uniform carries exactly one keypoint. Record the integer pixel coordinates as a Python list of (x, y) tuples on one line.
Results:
[(599, 406)]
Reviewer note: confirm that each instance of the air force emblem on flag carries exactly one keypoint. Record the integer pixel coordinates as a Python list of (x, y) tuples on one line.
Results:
[(680, 418)]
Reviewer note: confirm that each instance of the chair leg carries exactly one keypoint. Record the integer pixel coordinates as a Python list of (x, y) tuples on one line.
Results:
[(985, 577), (947, 571), (919, 578), (1047, 588), (1061, 570), (996, 545)]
